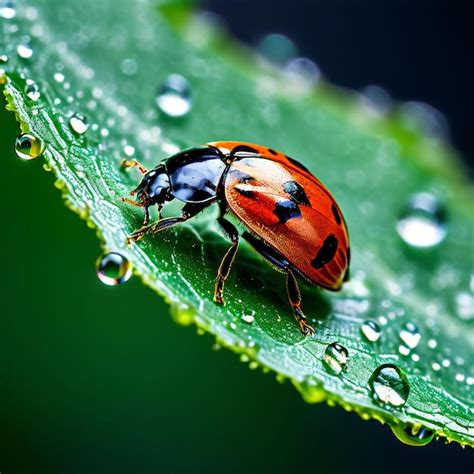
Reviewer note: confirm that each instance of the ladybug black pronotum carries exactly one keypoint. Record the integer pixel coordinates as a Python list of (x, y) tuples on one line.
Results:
[(289, 216)]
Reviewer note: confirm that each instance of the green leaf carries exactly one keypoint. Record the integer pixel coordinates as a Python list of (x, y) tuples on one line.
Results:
[(107, 60)]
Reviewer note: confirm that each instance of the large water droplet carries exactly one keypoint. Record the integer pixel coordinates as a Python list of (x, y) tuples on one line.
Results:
[(389, 385), (410, 335), (423, 221), (371, 330), (24, 50), (277, 48), (79, 123), (113, 269), (335, 358), (28, 147), (413, 435), (174, 96), (7, 9), (32, 90)]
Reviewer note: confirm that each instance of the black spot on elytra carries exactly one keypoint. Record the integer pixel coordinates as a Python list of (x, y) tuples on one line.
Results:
[(336, 214), (297, 163), (296, 192), (272, 151), (244, 148), (286, 210), (325, 253)]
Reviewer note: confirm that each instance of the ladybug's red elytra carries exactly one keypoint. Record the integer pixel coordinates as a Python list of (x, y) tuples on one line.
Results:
[(289, 216)]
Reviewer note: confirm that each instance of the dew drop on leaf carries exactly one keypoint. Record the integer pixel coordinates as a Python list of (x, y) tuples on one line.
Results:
[(28, 147), (79, 123), (32, 90), (389, 385), (113, 269), (412, 435), (248, 318), (7, 9), (422, 222), (174, 96), (304, 71), (129, 66), (371, 330), (335, 358), (410, 335), (24, 50), (277, 48), (59, 77)]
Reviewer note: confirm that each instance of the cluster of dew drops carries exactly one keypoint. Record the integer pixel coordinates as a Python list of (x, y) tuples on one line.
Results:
[(420, 224)]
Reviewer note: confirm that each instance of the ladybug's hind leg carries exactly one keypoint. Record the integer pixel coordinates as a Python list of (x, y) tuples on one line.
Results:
[(226, 263), (294, 296)]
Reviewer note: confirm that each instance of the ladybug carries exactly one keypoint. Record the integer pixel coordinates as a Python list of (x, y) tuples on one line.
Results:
[(289, 217)]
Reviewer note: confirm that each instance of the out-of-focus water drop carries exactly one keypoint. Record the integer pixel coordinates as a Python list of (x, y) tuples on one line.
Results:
[(174, 96), (410, 335), (277, 48), (423, 221), (7, 9)]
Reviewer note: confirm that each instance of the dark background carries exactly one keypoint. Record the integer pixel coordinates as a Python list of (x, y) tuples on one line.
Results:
[(100, 379), (416, 49)]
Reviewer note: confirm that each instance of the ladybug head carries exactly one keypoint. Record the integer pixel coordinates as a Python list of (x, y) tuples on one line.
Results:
[(154, 187)]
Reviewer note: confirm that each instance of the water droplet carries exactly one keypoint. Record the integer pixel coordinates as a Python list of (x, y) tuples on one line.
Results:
[(27, 146), (113, 269), (7, 9), (129, 150), (79, 123), (389, 385), (277, 48), (465, 305), (249, 317), (129, 66), (303, 70), (410, 335), (24, 50), (371, 330), (424, 118), (59, 77), (432, 344), (423, 222), (32, 90), (412, 435), (335, 358), (376, 98), (174, 96)]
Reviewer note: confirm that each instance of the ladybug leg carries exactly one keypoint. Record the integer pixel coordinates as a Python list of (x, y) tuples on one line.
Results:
[(294, 296), (226, 263), (133, 164), (189, 210)]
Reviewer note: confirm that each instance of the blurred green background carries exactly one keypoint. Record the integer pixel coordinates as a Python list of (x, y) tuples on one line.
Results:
[(100, 379)]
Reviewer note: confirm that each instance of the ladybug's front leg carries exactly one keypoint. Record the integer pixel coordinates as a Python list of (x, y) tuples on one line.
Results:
[(226, 263), (294, 295), (189, 210)]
